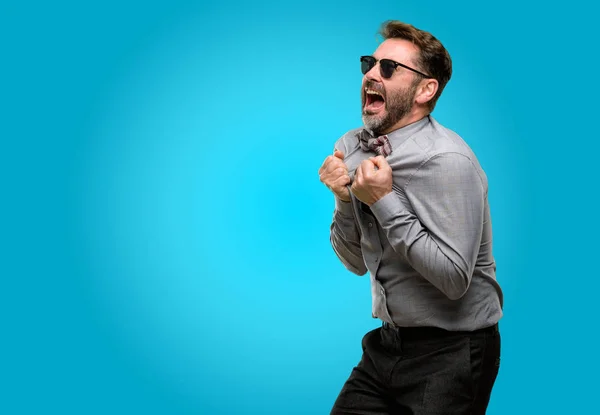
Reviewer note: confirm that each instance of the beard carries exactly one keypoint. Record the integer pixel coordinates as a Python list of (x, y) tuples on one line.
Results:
[(398, 104)]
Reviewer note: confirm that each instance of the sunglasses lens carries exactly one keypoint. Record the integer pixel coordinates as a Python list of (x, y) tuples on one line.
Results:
[(387, 68), (366, 64)]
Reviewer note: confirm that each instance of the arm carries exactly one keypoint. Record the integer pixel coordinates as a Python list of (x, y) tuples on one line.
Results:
[(345, 238), (344, 232), (441, 241)]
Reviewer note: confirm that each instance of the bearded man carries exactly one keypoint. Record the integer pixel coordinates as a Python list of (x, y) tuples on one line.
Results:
[(411, 209)]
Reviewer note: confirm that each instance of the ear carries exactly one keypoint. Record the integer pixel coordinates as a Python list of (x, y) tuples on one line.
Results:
[(426, 91)]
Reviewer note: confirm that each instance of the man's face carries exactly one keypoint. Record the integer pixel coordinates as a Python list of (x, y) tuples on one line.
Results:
[(387, 101)]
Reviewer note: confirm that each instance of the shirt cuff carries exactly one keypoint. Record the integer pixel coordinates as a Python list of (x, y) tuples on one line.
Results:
[(387, 207), (345, 208)]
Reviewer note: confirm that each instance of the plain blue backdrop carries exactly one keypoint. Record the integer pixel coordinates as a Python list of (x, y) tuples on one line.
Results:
[(165, 237)]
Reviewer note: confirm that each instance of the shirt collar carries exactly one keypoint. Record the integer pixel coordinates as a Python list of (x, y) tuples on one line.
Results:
[(398, 136)]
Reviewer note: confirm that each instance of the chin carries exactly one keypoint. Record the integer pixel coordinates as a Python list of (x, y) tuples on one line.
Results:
[(372, 122)]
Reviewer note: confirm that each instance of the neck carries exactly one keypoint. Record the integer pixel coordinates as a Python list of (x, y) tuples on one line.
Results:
[(415, 115)]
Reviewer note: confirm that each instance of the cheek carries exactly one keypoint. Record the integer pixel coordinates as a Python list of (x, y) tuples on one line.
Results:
[(392, 91)]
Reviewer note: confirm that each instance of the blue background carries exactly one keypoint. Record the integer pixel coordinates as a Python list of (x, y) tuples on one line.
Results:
[(147, 267)]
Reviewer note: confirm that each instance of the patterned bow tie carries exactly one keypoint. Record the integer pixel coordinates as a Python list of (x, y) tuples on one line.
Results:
[(380, 145)]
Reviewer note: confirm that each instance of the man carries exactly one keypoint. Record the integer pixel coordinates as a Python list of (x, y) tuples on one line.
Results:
[(411, 208)]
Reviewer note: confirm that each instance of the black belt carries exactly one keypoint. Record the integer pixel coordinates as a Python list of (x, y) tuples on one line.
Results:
[(434, 332)]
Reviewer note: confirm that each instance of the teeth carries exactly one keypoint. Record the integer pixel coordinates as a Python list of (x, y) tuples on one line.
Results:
[(371, 92)]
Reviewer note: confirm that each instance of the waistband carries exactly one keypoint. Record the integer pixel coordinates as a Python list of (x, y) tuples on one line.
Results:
[(423, 333)]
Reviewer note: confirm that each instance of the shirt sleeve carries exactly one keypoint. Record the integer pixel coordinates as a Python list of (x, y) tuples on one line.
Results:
[(344, 233), (441, 239), (345, 238)]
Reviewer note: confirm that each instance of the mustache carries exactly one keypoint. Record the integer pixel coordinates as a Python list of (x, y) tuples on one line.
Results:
[(377, 87)]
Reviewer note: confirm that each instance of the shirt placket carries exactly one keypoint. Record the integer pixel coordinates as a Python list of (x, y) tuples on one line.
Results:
[(372, 253), (370, 240)]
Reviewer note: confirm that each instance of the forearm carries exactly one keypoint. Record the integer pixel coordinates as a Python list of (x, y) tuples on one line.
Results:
[(345, 238)]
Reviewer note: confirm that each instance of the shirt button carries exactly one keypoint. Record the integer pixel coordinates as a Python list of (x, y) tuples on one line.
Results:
[(370, 224)]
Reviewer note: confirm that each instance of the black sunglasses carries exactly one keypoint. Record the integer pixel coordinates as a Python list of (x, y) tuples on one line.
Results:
[(386, 66)]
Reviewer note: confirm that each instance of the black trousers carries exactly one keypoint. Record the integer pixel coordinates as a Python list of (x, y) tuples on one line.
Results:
[(422, 371)]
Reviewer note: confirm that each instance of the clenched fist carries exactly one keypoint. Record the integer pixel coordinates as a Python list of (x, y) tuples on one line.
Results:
[(373, 180), (334, 174)]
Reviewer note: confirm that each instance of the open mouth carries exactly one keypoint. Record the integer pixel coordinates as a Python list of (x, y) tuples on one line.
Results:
[(374, 100)]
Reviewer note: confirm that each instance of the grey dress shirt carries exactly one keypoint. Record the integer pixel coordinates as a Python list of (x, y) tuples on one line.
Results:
[(427, 245)]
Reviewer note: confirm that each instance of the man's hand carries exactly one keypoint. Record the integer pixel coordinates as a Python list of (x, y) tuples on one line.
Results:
[(373, 180), (334, 174)]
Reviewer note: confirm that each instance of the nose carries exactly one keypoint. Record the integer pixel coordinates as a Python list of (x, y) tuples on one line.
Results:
[(373, 74)]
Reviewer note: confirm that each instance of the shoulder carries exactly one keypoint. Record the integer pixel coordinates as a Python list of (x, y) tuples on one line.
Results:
[(348, 141), (446, 152), (438, 139)]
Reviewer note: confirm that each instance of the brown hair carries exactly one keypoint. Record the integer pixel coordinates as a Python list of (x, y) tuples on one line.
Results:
[(433, 58)]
